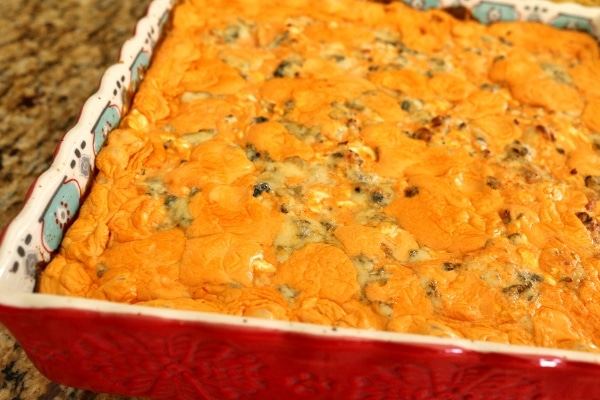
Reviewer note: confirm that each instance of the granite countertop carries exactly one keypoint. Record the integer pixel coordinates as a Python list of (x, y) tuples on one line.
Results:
[(52, 56)]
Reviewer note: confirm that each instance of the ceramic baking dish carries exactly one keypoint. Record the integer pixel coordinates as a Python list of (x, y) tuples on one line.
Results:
[(163, 353)]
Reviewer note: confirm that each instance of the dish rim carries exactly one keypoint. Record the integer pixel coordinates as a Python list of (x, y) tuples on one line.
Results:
[(25, 299), (548, 357)]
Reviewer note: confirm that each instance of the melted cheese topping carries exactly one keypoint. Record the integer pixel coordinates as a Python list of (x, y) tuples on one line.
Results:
[(384, 169)]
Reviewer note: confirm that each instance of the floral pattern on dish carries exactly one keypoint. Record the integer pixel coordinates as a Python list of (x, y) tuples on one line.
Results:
[(423, 4), (107, 121), (490, 12), (54, 198), (59, 213), (181, 367), (421, 382), (573, 22)]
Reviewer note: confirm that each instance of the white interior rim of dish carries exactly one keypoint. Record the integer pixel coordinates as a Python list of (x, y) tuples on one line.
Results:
[(27, 222), (548, 357)]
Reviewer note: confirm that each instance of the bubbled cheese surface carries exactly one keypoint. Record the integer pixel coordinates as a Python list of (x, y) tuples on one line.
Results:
[(354, 164)]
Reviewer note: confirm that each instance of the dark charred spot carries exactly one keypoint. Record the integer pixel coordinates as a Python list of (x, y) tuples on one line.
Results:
[(289, 68), (451, 266), (573, 171), (560, 150), (405, 105), (584, 217), (411, 191), (533, 278), (355, 104), (432, 290), (169, 200), (461, 13), (378, 197), (593, 182), (423, 134), (591, 224), (438, 121), (545, 132), (515, 238), (376, 151), (596, 145), (329, 225), (389, 253), (492, 182), (282, 69), (261, 188), (517, 289), (251, 152), (352, 123), (505, 216), (284, 208), (517, 149), (260, 120)]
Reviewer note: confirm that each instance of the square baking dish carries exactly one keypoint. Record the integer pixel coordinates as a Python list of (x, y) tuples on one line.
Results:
[(164, 353)]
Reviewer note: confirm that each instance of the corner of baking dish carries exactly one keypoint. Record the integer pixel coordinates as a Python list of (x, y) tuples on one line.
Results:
[(54, 198)]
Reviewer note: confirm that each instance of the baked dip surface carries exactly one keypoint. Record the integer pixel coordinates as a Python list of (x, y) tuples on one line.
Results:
[(354, 164)]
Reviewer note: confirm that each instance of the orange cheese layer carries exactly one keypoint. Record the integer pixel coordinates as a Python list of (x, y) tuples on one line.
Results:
[(354, 164)]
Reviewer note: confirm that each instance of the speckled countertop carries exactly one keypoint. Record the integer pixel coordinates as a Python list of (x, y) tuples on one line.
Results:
[(52, 56)]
